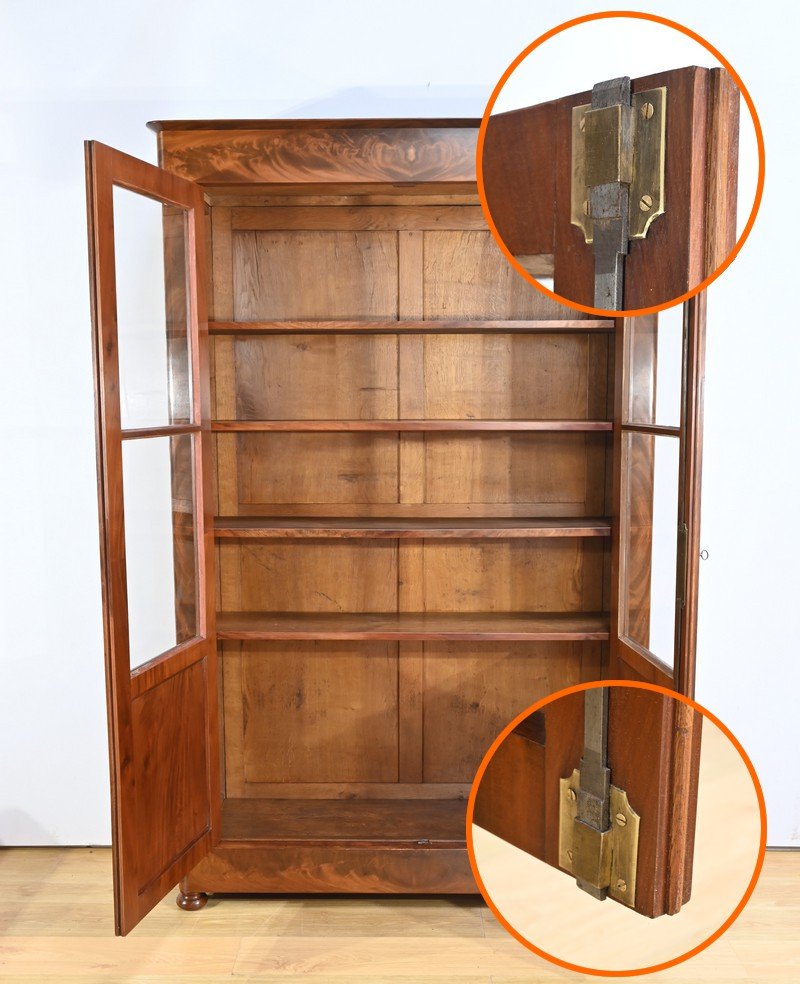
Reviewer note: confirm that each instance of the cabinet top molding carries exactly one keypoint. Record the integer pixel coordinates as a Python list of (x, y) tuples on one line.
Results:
[(305, 152), (364, 123)]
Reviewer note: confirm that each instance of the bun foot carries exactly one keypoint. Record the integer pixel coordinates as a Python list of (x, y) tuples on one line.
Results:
[(191, 901)]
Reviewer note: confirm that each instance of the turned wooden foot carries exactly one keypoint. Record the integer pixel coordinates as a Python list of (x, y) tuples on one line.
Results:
[(191, 901)]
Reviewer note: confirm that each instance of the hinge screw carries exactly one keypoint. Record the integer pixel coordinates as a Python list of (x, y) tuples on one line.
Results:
[(621, 819), (582, 123), (622, 886), (571, 856), (645, 203), (571, 795), (586, 208), (647, 111)]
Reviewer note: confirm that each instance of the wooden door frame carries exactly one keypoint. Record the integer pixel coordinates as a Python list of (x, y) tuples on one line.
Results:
[(106, 169)]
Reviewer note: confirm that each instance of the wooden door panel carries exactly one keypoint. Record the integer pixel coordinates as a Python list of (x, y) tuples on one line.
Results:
[(153, 454)]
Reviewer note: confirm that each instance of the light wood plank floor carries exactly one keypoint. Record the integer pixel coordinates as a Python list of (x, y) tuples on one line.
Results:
[(56, 926)]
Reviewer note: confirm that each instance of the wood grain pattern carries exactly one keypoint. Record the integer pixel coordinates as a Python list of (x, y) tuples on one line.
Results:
[(509, 802), (558, 473), (518, 177), (155, 728), (275, 527), (466, 276), (442, 326), (575, 426), (328, 870), (345, 154), (271, 275), (543, 575), (394, 217), (722, 179), (471, 693), (290, 377), (463, 474), (327, 712), (395, 823), (303, 472), (335, 576), (660, 769), (503, 626)]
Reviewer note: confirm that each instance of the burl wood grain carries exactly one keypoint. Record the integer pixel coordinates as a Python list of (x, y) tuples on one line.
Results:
[(346, 155)]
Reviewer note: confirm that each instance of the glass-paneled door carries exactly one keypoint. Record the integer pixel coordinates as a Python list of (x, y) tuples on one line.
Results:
[(146, 243)]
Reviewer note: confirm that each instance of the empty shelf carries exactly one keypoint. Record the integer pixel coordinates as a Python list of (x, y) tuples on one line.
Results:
[(258, 527), (351, 823), (412, 425), (415, 626)]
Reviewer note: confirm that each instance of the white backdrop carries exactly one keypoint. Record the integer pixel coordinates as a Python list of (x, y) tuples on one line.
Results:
[(101, 70)]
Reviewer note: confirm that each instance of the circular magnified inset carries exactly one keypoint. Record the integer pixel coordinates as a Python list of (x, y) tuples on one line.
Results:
[(616, 828), (620, 163)]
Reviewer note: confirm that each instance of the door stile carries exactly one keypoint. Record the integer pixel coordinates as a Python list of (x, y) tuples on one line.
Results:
[(691, 462)]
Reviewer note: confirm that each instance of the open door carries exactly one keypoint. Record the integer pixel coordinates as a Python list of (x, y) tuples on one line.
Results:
[(146, 262)]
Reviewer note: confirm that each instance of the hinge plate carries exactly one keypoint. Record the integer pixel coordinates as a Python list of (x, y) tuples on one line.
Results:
[(607, 859), (599, 151)]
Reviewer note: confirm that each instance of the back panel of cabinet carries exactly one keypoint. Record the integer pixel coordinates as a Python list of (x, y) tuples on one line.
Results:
[(381, 718)]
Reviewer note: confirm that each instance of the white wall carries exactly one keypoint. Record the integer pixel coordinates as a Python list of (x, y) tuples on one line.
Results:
[(100, 70)]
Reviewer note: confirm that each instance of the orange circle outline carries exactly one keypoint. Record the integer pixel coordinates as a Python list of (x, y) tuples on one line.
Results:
[(639, 970), (664, 21)]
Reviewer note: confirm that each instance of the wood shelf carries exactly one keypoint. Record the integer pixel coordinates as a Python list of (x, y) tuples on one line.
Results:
[(579, 426), (355, 327), (270, 528), (415, 626), (435, 823)]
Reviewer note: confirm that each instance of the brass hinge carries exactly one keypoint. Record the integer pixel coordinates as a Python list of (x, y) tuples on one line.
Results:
[(618, 155), (602, 861)]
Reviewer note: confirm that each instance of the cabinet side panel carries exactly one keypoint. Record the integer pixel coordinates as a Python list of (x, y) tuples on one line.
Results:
[(509, 802)]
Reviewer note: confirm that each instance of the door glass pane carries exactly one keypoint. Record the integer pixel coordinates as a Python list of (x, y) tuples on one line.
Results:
[(655, 369), (160, 547), (152, 311), (650, 542)]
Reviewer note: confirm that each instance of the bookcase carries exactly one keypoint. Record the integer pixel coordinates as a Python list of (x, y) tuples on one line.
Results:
[(392, 506)]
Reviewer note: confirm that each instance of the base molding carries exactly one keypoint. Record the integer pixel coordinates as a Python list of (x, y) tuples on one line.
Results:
[(260, 868)]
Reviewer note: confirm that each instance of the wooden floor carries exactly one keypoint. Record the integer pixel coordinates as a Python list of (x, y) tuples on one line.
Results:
[(56, 925)]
